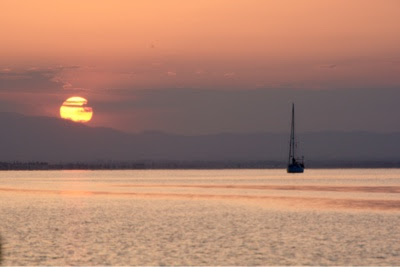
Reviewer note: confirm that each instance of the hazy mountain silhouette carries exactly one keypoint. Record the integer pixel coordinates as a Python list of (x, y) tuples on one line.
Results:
[(53, 140)]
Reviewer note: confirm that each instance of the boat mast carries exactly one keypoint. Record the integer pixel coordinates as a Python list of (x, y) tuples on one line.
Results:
[(291, 149), (293, 136)]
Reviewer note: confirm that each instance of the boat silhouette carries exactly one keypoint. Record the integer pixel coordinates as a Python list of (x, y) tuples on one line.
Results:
[(295, 165)]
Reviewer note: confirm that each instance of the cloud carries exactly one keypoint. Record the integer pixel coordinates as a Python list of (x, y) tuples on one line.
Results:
[(35, 79), (199, 111), (199, 72), (171, 73), (229, 74), (328, 66), (5, 70)]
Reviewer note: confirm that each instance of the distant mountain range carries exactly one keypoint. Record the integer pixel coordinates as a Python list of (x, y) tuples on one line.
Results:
[(46, 139)]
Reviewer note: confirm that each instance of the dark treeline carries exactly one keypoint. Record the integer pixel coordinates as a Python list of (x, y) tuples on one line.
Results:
[(138, 165), (144, 165)]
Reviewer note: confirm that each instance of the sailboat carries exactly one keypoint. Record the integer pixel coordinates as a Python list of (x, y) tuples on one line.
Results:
[(295, 165)]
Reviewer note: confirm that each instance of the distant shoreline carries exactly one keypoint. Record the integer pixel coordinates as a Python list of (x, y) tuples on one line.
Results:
[(176, 165)]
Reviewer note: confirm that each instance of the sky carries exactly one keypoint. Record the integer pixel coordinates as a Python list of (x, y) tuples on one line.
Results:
[(205, 66)]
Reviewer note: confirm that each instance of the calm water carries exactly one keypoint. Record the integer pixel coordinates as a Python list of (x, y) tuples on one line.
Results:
[(207, 217)]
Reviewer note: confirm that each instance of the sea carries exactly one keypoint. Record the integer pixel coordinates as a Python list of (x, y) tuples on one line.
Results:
[(200, 217)]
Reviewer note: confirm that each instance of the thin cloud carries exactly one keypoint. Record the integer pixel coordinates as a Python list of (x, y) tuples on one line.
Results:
[(328, 66), (200, 72), (34, 79), (171, 73), (229, 74)]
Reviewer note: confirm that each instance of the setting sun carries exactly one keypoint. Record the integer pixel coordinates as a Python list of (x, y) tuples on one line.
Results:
[(75, 109)]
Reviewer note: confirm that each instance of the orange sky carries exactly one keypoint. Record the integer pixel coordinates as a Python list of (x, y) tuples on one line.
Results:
[(69, 30), (104, 49)]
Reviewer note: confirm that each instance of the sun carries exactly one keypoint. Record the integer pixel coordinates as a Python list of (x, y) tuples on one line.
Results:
[(75, 109)]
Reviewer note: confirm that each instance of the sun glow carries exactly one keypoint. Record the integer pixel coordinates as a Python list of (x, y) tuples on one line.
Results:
[(75, 109)]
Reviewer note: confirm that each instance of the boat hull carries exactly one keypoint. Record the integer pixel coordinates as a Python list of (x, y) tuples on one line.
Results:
[(295, 168)]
